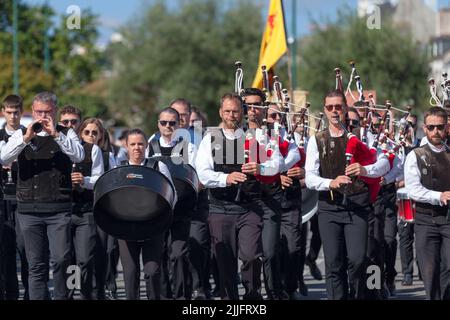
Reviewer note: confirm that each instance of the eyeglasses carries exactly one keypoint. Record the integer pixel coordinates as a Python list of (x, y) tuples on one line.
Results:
[(274, 115), (71, 121), (42, 113), (337, 107), (412, 124), (431, 127), (170, 123), (89, 132)]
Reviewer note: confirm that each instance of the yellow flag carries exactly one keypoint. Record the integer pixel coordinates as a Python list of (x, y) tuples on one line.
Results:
[(273, 44)]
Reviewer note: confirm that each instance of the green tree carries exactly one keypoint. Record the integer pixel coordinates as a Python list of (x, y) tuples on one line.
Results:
[(387, 61), (188, 52)]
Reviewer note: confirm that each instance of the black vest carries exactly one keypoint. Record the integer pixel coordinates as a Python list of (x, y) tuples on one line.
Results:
[(333, 162), (44, 172), (250, 189), (82, 198), (435, 175), (151, 163)]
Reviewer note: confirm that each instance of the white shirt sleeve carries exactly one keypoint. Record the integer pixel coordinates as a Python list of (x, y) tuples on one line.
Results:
[(2, 144), (292, 157), (165, 171), (13, 148), (113, 162), (413, 186), (205, 166), (70, 145), (395, 172), (97, 168), (313, 179), (379, 168), (192, 152)]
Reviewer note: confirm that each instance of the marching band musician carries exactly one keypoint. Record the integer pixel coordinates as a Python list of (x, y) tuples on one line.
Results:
[(235, 217), (291, 218), (45, 153), (84, 175), (271, 195), (427, 181), (151, 249), (167, 146), (342, 227), (12, 238)]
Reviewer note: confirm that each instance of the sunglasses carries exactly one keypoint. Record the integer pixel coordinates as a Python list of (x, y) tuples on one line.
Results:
[(274, 115), (89, 132), (337, 107), (431, 127), (164, 123), (71, 121)]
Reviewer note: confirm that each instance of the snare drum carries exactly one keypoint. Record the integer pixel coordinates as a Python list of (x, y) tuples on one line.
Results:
[(406, 206)]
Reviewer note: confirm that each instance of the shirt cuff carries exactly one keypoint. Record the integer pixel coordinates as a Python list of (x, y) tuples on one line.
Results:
[(436, 198), (223, 180)]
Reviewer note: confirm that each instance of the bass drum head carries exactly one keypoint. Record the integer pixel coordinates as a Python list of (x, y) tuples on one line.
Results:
[(133, 202), (310, 204)]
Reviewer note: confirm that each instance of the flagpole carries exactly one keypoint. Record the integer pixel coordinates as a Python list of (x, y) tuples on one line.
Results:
[(291, 89)]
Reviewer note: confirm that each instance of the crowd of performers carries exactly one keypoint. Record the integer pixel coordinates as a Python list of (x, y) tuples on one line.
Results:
[(372, 178)]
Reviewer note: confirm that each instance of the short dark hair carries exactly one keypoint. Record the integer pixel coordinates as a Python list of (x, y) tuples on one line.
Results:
[(135, 131), (336, 93), (68, 109), (182, 101), (437, 112), (13, 101), (231, 96), (171, 111), (254, 92)]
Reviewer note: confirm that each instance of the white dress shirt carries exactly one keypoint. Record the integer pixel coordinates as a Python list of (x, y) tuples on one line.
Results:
[(313, 179), (70, 145), (213, 179), (413, 186)]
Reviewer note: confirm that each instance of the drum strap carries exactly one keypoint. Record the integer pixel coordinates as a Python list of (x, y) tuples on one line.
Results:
[(156, 149), (151, 163)]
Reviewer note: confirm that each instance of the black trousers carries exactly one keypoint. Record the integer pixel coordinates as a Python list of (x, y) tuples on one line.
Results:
[(344, 234), (291, 224), (43, 232), (130, 252), (432, 247), (316, 242), (8, 267), (390, 231), (175, 273), (406, 237), (271, 206), (83, 230), (234, 236), (106, 257), (302, 254), (375, 241), (200, 245)]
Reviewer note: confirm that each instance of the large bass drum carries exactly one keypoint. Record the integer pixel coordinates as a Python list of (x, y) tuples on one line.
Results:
[(310, 201), (133, 202), (184, 178)]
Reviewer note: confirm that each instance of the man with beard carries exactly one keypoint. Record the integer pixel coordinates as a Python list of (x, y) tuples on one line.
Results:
[(427, 180)]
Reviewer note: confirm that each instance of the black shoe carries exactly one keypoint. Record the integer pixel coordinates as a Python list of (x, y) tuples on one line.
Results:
[(295, 295), (313, 269), (198, 295), (391, 288), (407, 280), (302, 288)]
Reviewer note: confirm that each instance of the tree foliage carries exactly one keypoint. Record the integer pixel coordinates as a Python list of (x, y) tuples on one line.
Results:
[(387, 61)]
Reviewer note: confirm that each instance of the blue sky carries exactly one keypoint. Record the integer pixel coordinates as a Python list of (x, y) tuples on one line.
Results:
[(113, 13)]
